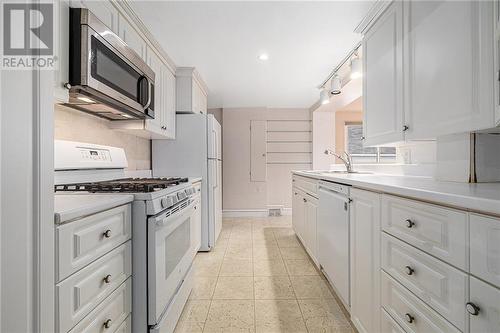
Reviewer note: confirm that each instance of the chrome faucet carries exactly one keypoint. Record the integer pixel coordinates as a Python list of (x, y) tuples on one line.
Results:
[(347, 159)]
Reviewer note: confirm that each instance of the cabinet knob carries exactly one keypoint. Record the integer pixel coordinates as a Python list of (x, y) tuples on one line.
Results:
[(107, 323), (107, 233), (409, 270), (107, 278), (409, 318), (409, 223), (472, 308), (304, 199), (405, 128)]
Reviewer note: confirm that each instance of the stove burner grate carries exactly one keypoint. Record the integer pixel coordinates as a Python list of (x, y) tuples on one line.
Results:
[(126, 185)]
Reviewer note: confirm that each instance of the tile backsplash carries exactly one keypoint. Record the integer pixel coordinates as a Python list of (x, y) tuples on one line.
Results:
[(75, 125)]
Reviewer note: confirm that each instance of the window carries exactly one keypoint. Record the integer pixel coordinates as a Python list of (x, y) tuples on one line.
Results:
[(360, 154)]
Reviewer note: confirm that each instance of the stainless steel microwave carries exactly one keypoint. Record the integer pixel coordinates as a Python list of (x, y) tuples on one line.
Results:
[(106, 77)]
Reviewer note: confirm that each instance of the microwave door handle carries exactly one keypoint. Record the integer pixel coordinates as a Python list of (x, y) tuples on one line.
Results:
[(149, 94)]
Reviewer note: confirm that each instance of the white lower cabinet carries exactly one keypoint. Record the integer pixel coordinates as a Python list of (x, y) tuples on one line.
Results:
[(310, 214), (483, 307), (485, 248), (93, 287), (304, 221), (388, 325), (298, 213), (365, 260)]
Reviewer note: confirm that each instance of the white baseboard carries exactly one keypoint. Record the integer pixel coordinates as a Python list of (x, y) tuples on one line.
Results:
[(245, 213), (252, 212)]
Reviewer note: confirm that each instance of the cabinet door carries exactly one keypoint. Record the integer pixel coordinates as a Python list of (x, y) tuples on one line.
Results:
[(156, 125), (130, 36), (383, 78), (485, 248), (487, 299), (104, 11), (169, 102), (61, 46), (310, 225), (449, 66), (298, 213), (497, 60), (365, 260)]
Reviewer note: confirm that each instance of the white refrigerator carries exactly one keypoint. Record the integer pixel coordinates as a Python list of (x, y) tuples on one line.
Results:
[(195, 152)]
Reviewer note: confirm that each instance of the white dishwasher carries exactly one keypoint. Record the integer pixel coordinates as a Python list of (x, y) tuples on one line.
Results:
[(333, 236)]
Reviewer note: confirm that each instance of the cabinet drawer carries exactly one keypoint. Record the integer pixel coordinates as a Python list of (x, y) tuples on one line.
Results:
[(439, 231), (487, 298), (84, 290), (388, 324), (307, 185), (111, 312), (485, 248), (82, 241), (439, 285), (410, 312), (126, 326)]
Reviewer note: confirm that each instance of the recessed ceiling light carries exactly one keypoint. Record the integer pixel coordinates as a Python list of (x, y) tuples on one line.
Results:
[(263, 56)]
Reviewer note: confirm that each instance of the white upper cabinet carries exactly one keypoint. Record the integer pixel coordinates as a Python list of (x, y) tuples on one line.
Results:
[(61, 46), (449, 67), (157, 125), (104, 11), (130, 36), (191, 93), (429, 70), (383, 78), (169, 102)]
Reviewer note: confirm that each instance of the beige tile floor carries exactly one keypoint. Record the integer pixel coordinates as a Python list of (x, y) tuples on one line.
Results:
[(259, 279)]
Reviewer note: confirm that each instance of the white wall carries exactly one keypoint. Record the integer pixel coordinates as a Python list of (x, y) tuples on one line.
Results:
[(323, 138)]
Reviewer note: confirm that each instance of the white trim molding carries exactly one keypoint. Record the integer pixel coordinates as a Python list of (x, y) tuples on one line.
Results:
[(375, 11)]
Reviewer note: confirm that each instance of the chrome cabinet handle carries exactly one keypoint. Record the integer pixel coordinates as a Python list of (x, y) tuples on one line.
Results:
[(107, 233), (409, 318), (409, 223), (409, 270), (107, 323), (107, 278), (472, 308)]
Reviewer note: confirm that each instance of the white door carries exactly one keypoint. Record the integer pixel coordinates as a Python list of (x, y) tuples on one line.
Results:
[(449, 67), (258, 159), (383, 78), (333, 240), (486, 300), (365, 260)]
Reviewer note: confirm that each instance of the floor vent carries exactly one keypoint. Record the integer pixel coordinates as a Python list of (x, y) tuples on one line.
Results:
[(275, 212)]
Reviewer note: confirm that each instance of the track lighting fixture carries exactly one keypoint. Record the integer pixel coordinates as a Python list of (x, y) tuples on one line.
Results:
[(324, 98), (336, 85)]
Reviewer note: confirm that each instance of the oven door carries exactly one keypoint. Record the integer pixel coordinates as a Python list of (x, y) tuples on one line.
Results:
[(169, 256)]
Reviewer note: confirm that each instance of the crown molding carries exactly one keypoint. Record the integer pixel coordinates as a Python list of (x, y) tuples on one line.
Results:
[(375, 11)]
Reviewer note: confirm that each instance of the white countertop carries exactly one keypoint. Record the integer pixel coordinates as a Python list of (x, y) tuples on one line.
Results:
[(482, 197), (68, 207)]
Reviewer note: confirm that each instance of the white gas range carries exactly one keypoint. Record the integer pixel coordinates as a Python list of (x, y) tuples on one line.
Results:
[(166, 227)]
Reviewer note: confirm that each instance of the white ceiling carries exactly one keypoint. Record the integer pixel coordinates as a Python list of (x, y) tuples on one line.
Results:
[(305, 40)]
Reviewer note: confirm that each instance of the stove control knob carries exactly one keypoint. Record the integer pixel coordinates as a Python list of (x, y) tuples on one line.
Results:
[(164, 203), (173, 198)]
